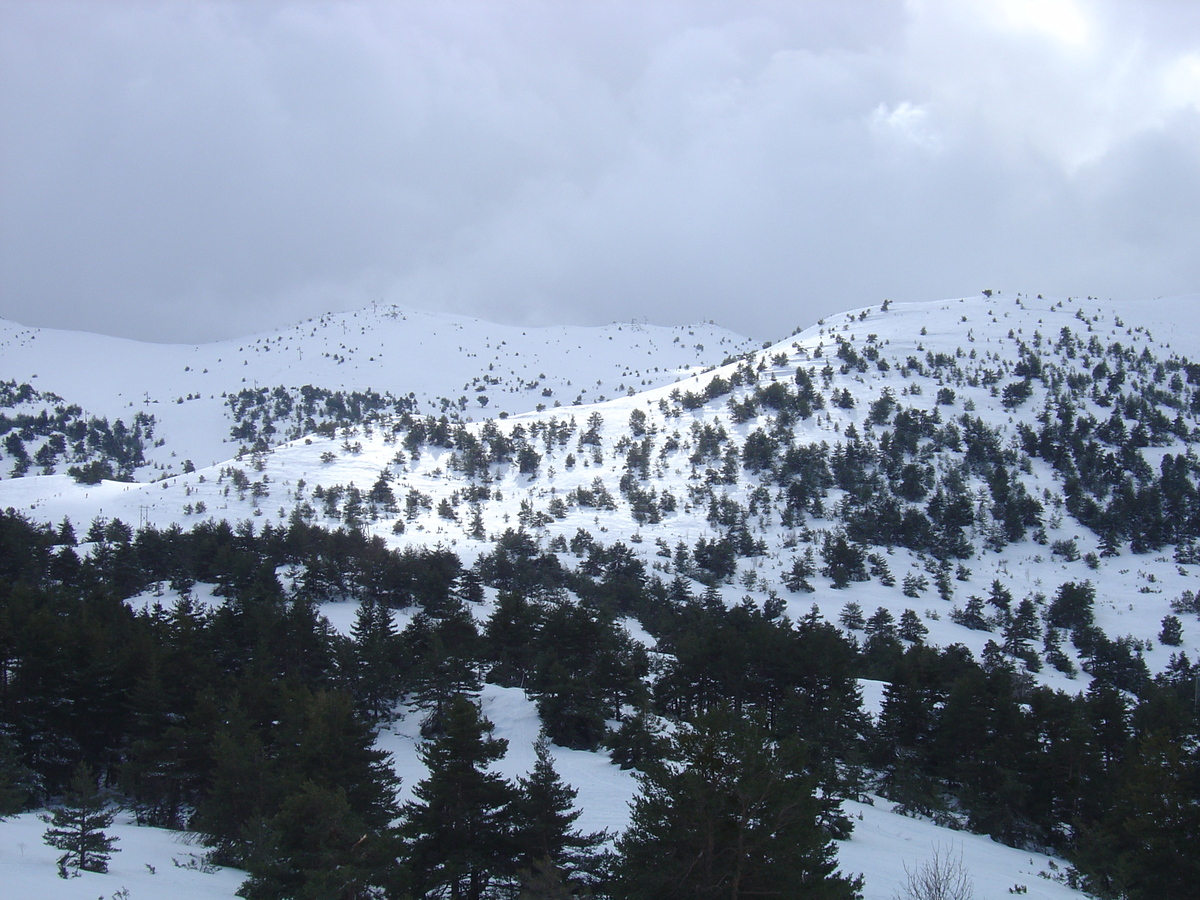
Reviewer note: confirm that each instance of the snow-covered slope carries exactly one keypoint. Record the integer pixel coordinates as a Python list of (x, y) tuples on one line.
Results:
[(690, 454), (454, 364), (981, 335)]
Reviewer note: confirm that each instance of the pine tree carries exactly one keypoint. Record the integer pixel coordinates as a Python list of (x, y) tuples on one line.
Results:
[(972, 615), (914, 584), (154, 773), (77, 826), (1071, 607), (906, 730), (1171, 634), (1022, 628), (316, 847), (571, 707), (911, 627), (1143, 847), (459, 826), (326, 743), (376, 648), (637, 742), (851, 617), (544, 817), (844, 561), (443, 655), (544, 881), (510, 636), (66, 533), (239, 786), (881, 624), (798, 577), (735, 818)]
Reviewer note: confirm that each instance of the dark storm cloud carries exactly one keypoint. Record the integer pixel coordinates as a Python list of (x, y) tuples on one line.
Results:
[(180, 171)]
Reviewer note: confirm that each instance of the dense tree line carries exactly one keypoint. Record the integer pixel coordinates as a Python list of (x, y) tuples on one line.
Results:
[(970, 742), (252, 722), (262, 693)]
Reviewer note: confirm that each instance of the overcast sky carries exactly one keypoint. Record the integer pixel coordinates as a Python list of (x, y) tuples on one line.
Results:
[(182, 171)]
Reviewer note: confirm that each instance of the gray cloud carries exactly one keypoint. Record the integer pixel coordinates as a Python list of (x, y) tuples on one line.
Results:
[(181, 171)]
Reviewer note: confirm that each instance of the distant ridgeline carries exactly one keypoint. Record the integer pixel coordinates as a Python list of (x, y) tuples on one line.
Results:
[(264, 417), (59, 434)]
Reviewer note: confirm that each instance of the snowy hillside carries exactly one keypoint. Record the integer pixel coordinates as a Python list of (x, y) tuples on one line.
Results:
[(434, 363), (665, 481), (1009, 475)]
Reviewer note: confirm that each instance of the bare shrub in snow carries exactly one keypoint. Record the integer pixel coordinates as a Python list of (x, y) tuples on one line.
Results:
[(942, 877)]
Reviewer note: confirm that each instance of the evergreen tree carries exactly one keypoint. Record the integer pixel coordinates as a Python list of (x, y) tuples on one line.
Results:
[(844, 561), (155, 774), (77, 826), (906, 731), (1143, 848), (999, 596), (972, 616), (985, 748), (1071, 607), (637, 742), (510, 635), (66, 533), (586, 668), (279, 744), (1171, 634), (317, 848), (459, 826), (734, 818), (544, 816), (797, 579), (544, 881), (240, 787), (851, 617), (571, 708), (911, 627), (442, 655), (323, 741), (376, 648), (881, 624), (1022, 628)]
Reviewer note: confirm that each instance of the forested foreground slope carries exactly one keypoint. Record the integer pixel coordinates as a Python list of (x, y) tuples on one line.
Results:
[(979, 514)]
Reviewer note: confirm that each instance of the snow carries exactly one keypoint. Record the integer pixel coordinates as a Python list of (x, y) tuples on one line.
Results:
[(152, 863), (385, 348), (884, 842), (872, 696), (438, 356)]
